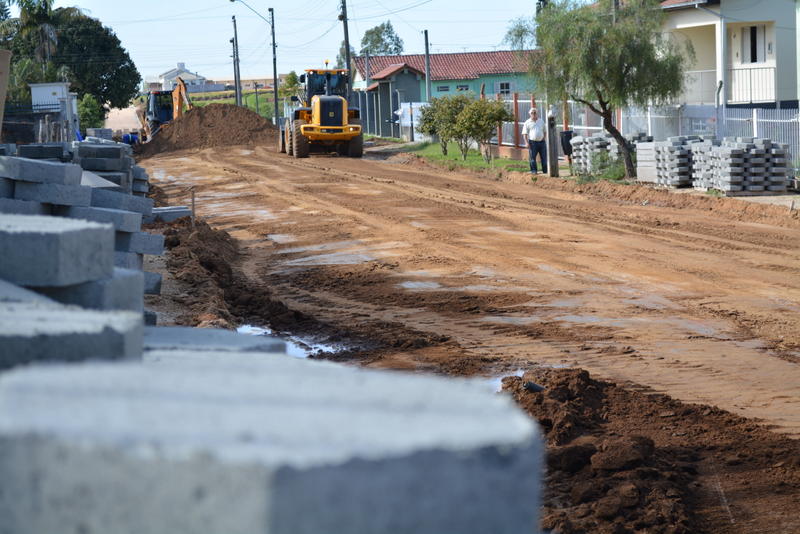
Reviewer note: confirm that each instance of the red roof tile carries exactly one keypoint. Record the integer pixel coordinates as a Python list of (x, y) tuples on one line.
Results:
[(456, 66), (391, 69)]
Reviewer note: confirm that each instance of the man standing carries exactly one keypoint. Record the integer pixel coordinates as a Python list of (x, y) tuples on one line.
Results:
[(533, 134)]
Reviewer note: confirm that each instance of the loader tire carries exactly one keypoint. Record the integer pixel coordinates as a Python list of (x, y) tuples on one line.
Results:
[(355, 148), (299, 141), (287, 135)]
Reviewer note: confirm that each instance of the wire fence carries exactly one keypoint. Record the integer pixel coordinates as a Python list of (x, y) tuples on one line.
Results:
[(779, 125)]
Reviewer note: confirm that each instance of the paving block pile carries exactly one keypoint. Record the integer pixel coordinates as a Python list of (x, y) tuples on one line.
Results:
[(735, 165), (101, 193), (586, 149)]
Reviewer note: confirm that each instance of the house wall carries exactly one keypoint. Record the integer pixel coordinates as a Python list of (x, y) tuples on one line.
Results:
[(780, 18), (703, 40)]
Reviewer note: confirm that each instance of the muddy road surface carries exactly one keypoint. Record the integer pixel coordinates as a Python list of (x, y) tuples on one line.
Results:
[(702, 304), (685, 310)]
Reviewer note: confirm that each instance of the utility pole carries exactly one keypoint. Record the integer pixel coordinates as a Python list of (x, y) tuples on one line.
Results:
[(367, 78), (428, 83), (258, 111), (236, 74), (343, 18), (274, 68)]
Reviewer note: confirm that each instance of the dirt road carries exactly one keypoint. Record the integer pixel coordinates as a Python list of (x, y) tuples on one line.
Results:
[(702, 305)]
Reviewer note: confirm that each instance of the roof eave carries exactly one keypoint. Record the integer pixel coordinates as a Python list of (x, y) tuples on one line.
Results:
[(684, 5)]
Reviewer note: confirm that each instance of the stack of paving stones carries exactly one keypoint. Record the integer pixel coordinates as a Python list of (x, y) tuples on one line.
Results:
[(674, 161), (46, 151), (49, 263), (742, 165), (112, 162), (586, 149), (704, 163), (646, 162), (36, 187)]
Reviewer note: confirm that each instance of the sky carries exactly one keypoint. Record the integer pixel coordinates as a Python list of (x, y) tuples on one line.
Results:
[(160, 33)]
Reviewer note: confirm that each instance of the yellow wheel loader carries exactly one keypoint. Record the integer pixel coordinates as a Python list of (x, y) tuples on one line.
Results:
[(322, 122)]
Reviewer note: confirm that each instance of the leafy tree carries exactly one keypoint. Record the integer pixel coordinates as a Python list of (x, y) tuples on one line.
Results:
[(603, 59), (447, 122), (100, 65), (427, 122), (341, 57), (91, 113), (381, 41), (479, 120), (290, 85), (5, 12)]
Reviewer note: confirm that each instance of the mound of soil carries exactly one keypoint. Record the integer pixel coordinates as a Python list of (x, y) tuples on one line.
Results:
[(210, 126), (623, 461)]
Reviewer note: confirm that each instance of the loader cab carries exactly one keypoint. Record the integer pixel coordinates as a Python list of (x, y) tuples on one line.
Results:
[(159, 107), (331, 82)]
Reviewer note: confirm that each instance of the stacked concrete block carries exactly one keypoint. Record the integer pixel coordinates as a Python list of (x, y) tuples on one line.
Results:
[(778, 173), (743, 165), (168, 214), (243, 443), (585, 150), (646, 162), (141, 181), (673, 162), (46, 151), (703, 163), (102, 133), (112, 162)]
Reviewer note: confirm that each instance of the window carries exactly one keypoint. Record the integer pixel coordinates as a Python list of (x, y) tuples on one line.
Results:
[(754, 44), (462, 87), (443, 88), (504, 88)]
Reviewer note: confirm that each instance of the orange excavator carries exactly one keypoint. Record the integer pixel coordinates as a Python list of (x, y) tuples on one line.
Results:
[(162, 108)]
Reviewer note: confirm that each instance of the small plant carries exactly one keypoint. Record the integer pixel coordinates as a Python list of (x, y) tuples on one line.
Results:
[(714, 193)]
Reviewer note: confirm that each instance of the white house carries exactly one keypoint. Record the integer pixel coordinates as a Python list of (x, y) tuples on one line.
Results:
[(169, 79), (751, 47)]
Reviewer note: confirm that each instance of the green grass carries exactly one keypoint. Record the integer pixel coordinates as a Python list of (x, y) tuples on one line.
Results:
[(369, 137), (433, 152)]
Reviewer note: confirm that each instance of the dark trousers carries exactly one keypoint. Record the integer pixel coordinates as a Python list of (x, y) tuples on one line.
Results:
[(537, 147)]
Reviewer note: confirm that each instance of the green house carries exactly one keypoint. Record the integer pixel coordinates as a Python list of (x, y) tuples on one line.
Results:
[(383, 83)]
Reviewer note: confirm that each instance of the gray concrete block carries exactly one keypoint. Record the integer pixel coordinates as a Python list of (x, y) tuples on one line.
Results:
[(152, 283), (35, 332), (168, 214), (13, 293), (124, 290), (245, 443), (140, 186), (54, 251), (93, 180), (123, 221), (140, 242), (42, 172), (23, 207), (6, 188), (208, 339), (41, 151), (104, 164), (102, 198), (61, 195), (128, 260), (87, 150), (150, 318), (139, 173), (122, 179)]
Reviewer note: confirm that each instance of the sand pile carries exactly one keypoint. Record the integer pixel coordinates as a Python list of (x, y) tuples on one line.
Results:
[(210, 126)]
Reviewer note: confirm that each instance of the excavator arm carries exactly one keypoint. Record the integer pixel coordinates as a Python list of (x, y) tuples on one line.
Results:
[(180, 97)]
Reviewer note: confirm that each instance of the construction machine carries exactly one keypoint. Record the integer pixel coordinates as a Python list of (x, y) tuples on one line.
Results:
[(163, 107), (321, 120)]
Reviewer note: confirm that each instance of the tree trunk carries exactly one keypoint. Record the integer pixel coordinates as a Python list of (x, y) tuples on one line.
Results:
[(630, 169), (443, 144)]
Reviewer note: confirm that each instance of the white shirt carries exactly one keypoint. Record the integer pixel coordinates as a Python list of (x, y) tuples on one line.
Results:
[(533, 129)]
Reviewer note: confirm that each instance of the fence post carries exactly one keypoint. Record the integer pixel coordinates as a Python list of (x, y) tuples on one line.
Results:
[(755, 122), (499, 97), (649, 119), (516, 120)]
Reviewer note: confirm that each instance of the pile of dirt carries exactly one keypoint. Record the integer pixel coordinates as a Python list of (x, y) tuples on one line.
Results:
[(623, 461), (210, 126)]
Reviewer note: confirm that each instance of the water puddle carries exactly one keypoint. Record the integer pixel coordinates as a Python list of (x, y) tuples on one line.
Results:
[(501, 230), (550, 269), (651, 302), (420, 285), (511, 319), (416, 224), (335, 258), (245, 152), (319, 248), (565, 303), (282, 238), (295, 346)]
